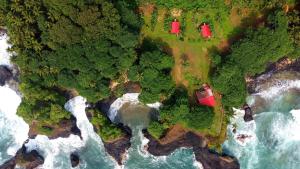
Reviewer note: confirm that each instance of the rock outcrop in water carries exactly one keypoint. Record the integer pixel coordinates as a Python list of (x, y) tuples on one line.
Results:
[(74, 157), (5, 75), (248, 113), (208, 159), (25, 160)]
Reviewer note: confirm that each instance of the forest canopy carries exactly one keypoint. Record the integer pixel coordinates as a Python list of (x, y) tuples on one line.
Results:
[(82, 47), (61, 45)]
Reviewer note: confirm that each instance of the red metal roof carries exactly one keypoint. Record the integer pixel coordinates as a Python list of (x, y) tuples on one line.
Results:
[(205, 31), (175, 27), (206, 98), (208, 101)]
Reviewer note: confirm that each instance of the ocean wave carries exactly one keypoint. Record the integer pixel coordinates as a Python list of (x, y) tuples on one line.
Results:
[(279, 87), (244, 131), (4, 54), (13, 129)]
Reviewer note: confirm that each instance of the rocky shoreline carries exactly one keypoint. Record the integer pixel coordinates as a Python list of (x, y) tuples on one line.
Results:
[(282, 65), (118, 148), (209, 159), (27, 160)]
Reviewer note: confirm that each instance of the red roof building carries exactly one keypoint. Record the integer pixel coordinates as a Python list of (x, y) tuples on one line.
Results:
[(206, 97), (205, 31), (175, 29)]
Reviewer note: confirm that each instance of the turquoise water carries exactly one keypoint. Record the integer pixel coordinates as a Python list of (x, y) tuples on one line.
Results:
[(277, 143)]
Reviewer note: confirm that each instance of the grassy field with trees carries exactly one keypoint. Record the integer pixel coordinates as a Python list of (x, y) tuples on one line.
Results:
[(247, 35)]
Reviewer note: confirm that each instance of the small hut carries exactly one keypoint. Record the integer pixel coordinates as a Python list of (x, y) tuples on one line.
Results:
[(205, 96), (205, 30), (175, 27)]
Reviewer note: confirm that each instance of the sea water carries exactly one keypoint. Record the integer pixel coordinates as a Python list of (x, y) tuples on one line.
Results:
[(276, 135)]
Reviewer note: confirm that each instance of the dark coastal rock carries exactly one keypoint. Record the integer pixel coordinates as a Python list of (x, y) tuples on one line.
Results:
[(2, 32), (212, 160), (27, 160), (117, 148), (209, 160), (5, 75), (74, 157), (282, 65), (104, 104), (188, 140), (64, 129), (248, 113)]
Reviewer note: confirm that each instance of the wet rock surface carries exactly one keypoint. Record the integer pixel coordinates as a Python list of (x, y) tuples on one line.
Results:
[(5, 75), (209, 160), (74, 157), (248, 113), (64, 129), (27, 160), (212, 160), (117, 148)]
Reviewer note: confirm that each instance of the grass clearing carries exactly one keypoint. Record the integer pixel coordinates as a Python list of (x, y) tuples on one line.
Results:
[(191, 52)]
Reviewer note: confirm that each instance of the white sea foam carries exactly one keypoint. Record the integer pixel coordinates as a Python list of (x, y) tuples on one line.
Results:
[(278, 88), (51, 150), (4, 54), (77, 107), (197, 164), (246, 129), (294, 127), (277, 133), (132, 98), (142, 149), (13, 129)]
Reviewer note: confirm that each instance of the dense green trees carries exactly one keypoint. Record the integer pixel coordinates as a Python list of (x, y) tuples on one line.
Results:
[(107, 130), (153, 73), (178, 110), (294, 29), (83, 46), (60, 45), (250, 56), (187, 4)]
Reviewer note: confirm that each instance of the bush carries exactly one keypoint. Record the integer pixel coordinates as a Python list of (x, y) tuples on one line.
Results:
[(154, 19), (105, 128), (167, 21), (156, 129)]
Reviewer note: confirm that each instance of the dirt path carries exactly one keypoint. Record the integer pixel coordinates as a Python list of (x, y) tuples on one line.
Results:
[(177, 72)]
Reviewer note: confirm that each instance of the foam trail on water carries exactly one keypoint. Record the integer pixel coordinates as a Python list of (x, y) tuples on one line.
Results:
[(278, 88), (77, 107), (4, 54), (13, 129), (242, 128), (197, 164), (132, 98), (55, 149)]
